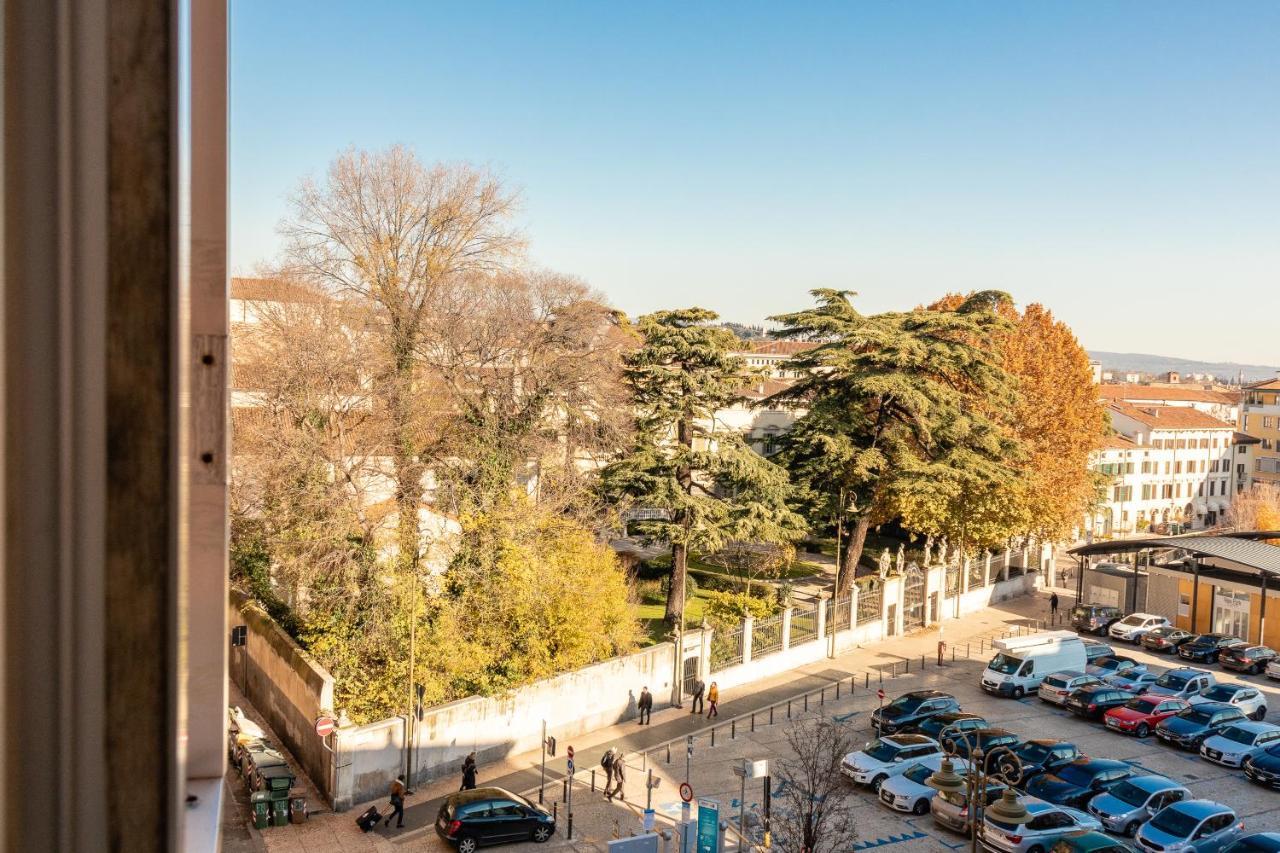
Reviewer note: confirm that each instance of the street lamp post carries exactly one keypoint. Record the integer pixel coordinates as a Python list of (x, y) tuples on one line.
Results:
[(975, 780)]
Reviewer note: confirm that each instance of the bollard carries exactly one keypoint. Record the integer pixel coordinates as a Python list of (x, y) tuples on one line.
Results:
[(771, 715), (570, 826), (837, 691), (593, 778), (895, 667), (753, 721), (922, 661), (733, 730), (822, 697), (668, 755), (788, 709), (555, 810), (806, 703), (564, 790), (713, 735), (953, 655), (866, 681), (882, 676)]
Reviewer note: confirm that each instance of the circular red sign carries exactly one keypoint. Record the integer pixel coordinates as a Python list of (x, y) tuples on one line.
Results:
[(569, 752), (324, 726), (686, 792), (880, 693)]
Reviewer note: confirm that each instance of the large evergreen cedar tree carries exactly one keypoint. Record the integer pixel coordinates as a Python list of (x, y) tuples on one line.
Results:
[(714, 488), (897, 422), (1058, 417)]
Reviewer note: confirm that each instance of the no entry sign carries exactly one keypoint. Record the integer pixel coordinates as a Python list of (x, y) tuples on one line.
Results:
[(880, 694), (569, 752), (324, 726)]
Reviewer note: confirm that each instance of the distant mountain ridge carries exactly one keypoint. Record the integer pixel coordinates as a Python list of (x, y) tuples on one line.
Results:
[(1147, 363)]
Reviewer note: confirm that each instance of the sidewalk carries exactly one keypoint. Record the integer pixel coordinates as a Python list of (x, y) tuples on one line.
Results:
[(330, 833)]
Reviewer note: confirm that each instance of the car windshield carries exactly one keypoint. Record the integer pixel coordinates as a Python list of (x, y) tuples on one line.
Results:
[(1082, 611), (1175, 822), (1172, 680), (1077, 775), (1236, 734), (904, 704), (1004, 664), (1144, 706), (1130, 794), (1133, 620), (1203, 639), (918, 773), (1055, 681), (1221, 692), (881, 750), (1108, 663), (1197, 716), (1033, 752)]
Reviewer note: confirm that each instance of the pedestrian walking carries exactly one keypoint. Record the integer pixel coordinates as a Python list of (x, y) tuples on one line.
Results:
[(645, 705), (398, 790), (468, 773), (1053, 605), (698, 689), (713, 699), (619, 775), (606, 764)]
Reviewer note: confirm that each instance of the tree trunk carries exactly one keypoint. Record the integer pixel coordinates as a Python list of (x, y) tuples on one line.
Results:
[(407, 464), (675, 588), (853, 553), (680, 551)]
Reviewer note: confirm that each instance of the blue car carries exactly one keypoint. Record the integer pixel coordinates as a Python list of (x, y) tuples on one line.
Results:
[(1191, 826), (1077, 783), (1189, 728), (1264, 767), (1255, 842)]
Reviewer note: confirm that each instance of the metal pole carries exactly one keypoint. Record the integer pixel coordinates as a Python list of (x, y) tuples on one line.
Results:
[(1262, 612), (742, 805), (768, 804), (1133, 593), (648, 791), (568, 803), (688, 755), (542, 784), (1195, 593)]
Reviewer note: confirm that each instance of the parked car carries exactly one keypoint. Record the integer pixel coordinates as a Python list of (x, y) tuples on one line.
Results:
[(1140, 714), (1255, 842), (1131, 803), (951, 810), (1246, 697), (910, 709), (1191, 727), (1132, 627), (909, 790), (1250, 659), (1089, 841), (1165, 640), (1238, 741), (1044, 824), (1094, 649), (1114, 665), (1095, 700), (1057, 686), (1075, 784), (1042, 756), (986, 740), (1094, 618), (1132, 682), (1190, 826), (1206, 648), (1272, 670), (950, 721), (887, 756), (481, 816), (1263, 767), (1183, 682)]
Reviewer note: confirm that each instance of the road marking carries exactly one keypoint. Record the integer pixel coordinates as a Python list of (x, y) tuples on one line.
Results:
[(892, 839), (844, 718)]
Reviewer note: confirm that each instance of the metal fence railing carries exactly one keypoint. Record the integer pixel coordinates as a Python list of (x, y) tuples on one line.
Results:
[(953, 581), (838, 614), (869, 602), (977, 573), (766, 636), (726, 648), (804, 623)]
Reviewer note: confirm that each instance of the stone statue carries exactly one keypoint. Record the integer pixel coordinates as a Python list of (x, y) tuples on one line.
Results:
[(885, 561), (902, 556)]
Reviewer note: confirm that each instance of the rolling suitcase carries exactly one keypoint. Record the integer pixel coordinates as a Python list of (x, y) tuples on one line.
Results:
[(368, 819)]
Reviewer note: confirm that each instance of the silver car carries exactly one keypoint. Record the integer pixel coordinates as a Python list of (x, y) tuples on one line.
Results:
[(951, 810), (1190, 826), (908, 791), (1131, 803), (887, 756), (1238, 741), (1044, 824), (1057, 686)]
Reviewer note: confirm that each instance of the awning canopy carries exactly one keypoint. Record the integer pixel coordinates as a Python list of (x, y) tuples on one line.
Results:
[(1241, 548)]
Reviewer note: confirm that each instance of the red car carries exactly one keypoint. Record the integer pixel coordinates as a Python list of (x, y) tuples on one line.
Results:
[(1140, 714)]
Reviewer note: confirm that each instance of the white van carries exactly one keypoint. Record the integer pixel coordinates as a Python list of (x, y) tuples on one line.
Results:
[(1021, 663)]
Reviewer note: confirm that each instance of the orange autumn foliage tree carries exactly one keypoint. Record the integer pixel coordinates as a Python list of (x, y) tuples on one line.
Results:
[(1059, 417)]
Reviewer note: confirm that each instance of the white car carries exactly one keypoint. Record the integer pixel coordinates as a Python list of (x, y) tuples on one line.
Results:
[(1238, 741), (1044, 824), (887, 756), (1057, 686), (908, 791), (1273, 669), (1246, 697), (1132, 627)]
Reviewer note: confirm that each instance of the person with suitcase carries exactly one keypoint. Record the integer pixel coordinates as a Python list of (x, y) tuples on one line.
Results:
[(368, 819), (398, 790), (469, 773)]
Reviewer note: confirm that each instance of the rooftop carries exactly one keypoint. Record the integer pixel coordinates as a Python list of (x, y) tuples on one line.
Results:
[(1170, 417), (779, 347), (1183, 393), (1265, 385)]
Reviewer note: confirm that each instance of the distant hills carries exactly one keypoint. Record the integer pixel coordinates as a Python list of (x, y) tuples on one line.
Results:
[(1147, 363)]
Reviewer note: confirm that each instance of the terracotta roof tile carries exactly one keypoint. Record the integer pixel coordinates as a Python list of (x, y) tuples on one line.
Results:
[(1153, 393), (1170, 417)]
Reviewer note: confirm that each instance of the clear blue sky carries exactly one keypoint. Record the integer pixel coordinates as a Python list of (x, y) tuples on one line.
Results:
[(1119, 162)]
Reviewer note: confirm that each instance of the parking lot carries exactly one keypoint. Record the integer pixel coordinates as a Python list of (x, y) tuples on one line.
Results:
[(710, 774)]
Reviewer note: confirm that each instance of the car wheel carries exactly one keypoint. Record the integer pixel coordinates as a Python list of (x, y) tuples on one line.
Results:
[(467, 844), (877, 782), (1260, 714), (541, 833), (1018, 693), (1131, 829), (1255, 669), (1036, 849), (1143, 730), (921, 807)]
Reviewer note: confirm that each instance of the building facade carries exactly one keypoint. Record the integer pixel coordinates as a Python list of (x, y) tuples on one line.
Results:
[(1260, 419), (1224, 405)]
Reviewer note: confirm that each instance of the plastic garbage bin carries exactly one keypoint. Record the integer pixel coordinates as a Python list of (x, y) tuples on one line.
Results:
[(260, 801), (280, 812), (297, 809)]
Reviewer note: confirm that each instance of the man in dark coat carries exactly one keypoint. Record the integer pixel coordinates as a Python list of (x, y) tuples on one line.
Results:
[(468, 773), (645, 705), (698, 689)]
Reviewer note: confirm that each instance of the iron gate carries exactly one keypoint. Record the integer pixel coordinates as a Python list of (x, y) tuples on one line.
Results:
[(690, 674), (913, 616)]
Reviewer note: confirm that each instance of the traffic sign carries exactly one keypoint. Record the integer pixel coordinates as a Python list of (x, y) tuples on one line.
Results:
[(880, 694), (686, 792), (324, 726), (568, 751), (571, 768), (689, 745)]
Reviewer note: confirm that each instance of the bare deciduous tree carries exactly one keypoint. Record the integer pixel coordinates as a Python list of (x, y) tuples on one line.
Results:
[(814, 812)]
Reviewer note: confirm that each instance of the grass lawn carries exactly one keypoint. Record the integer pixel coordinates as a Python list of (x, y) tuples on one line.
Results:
[(797, 569), (651, 613)]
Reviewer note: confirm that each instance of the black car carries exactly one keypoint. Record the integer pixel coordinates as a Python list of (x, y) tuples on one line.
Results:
[(1094, 618), (469, 819), (983, 739), (1189, 728), (1165, 640), (1094, 649), (1041, 756), (1250, 659), (1094, 700), (1113, 665), (1257, 842), (1076, 783), (1207, 647), (911, 709), (951, 720), (1264, 767)]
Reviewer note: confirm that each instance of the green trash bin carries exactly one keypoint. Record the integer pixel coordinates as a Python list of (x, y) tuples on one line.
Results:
[(297, 809), (260, 801), (280, 810)]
